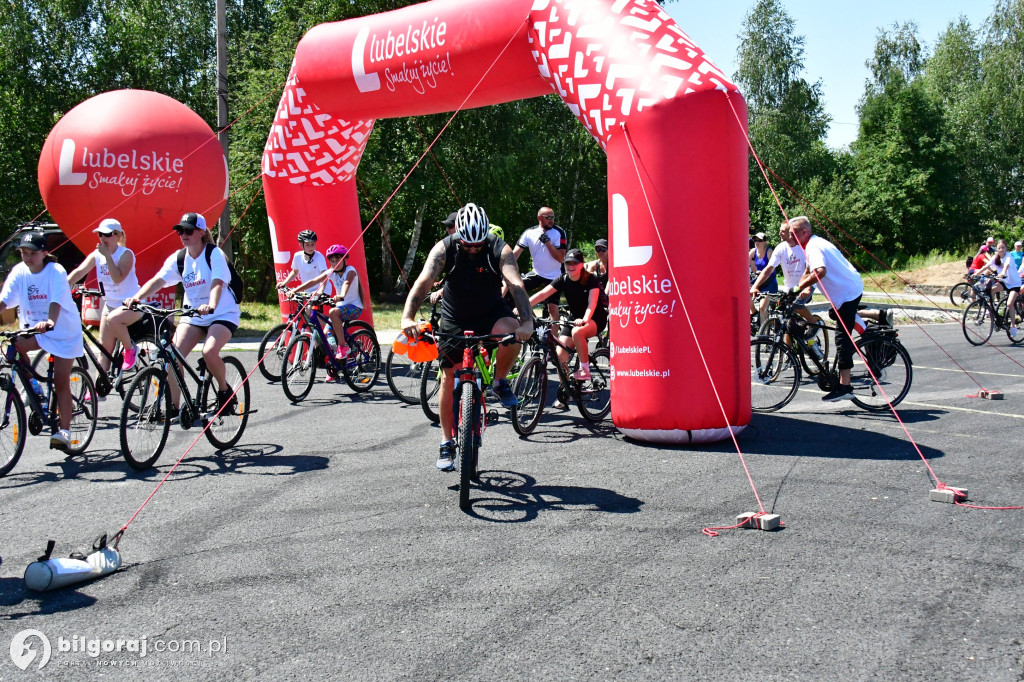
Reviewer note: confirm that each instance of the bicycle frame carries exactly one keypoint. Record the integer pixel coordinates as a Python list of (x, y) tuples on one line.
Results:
[(172, 358), (22, 370)]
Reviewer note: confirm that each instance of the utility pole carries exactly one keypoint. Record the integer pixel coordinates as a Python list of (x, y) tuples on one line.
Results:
[(224, 224)]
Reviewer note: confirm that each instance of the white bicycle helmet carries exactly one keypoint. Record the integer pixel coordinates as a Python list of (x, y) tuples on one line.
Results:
[(472, 224)]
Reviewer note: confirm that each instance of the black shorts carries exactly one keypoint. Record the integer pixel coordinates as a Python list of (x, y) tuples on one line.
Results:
[(449, 350), (534, 283), (600, 318), (230, 326)]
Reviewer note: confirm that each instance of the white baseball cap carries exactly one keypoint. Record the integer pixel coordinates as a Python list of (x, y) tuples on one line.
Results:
[(109, 226)]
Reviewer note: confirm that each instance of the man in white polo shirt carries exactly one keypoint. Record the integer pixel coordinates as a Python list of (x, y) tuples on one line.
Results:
[(547, 245), (842, 285)]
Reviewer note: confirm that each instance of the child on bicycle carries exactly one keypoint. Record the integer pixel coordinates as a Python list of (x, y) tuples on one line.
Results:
[(588, 309), (1005, 276), (115, 271), (207, 283), (347, 300), (306, 264), (38, 287)]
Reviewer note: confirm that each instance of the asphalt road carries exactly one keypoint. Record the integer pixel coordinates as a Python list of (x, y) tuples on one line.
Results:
[(328, 546)]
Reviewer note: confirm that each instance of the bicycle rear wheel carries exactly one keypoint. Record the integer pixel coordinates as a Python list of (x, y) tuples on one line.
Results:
[(272, 350), (1014, 330), (362, 366), (466, 440), (889, 361), (430, 391), (144, 423), (403, 377), (298, 368), (226, 428), (774, 375), (959, 294), (594, 397), (12, 426), (531, 389), (83, 411), (977, 323)]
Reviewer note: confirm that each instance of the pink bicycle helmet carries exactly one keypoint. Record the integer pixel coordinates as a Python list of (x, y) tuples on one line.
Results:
[(337, 250)]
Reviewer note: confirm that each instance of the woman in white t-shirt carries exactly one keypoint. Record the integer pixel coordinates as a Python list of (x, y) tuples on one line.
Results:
[(306, 264), (347, 299), (38, 287), (1005, 269), (206, 280), (115, 271)]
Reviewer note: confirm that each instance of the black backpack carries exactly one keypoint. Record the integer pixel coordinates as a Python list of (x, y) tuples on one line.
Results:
[(236, 284)]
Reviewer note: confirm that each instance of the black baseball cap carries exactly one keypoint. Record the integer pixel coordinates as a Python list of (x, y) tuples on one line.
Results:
[(193, 221), (450, 220), (34, 241), (574, 256), (601, 242)]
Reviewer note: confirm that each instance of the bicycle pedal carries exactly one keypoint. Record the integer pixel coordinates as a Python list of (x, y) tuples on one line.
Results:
[(492, 417)]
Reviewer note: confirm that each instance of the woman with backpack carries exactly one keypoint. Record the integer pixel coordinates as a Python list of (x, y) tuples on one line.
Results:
[(203, 270)]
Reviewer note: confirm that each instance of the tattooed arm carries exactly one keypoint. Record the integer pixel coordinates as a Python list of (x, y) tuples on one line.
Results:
[(421, 287), (510, 273)]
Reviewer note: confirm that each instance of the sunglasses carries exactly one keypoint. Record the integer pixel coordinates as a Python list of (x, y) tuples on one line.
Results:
[(600, 249), (548, 217), (475, 247), (184, 231), (572, 263)]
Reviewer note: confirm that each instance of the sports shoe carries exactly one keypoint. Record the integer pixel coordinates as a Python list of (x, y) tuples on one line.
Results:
[(841, 393), (341, 353), (503, 392), (581, 374), (130, 355), (226, 400), (559, 405), (173, 414), (446, 457), (60, 440)]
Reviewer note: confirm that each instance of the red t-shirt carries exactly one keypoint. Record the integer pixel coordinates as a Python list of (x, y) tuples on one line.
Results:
[(979, 261)]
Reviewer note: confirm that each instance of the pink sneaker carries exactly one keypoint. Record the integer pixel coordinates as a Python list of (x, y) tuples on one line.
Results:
[(581, 374), (341, 353), (130, 356)]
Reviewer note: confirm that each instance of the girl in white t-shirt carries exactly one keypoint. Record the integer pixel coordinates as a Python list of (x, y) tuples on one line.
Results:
[(115, 270), (347, 298), (208, 290), (306, 264), (38, 287)]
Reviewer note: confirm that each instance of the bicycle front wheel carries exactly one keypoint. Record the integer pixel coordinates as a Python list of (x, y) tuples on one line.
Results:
[(144, 423), (531, 389), (227, 427), (83, 411), (430, 391), (1015, 332), (272, 350), (774, 375), (889, 362), (467, 439), (959, 294), (12, 428), (403, 376), (298, 368), (594, 396), (977, 323), (362, 366)]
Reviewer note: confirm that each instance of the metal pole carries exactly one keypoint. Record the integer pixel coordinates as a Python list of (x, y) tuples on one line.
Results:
[(224, 224)]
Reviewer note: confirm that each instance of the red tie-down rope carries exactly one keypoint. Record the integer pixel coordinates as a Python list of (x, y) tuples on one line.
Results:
[(938, 483), (823, 218), (128, 198), (710, 532), (121, 531)]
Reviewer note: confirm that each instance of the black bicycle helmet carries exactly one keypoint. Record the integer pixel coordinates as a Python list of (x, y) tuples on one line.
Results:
[(307, 236)]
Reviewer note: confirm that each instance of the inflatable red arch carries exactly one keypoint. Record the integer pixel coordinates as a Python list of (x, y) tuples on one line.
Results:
[(668, 119)]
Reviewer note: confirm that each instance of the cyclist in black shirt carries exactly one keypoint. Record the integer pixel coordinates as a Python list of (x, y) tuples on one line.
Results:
[(474, 262), (588, 308)]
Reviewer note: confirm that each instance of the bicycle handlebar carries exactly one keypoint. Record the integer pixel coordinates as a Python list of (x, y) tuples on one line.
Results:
[(503, 339), (163, 312), (20, 333)]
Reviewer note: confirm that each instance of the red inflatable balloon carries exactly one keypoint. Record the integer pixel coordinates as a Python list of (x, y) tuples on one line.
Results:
[(137, 156)]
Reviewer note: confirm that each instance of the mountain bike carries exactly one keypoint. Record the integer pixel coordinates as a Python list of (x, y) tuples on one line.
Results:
[(147, 412), (42, 404), (988, 312), (275, 342), (470, 407), (592, 396), (310, 350), (966, 291), (815, 334), (775, 371)]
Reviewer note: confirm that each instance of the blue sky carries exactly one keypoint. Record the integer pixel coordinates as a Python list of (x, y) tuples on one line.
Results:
[(839, 37)]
